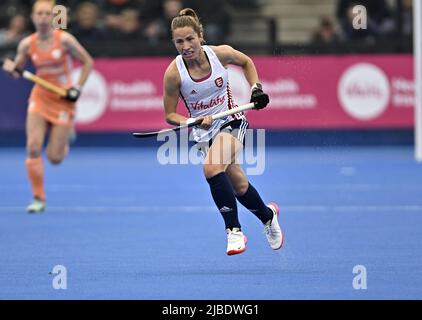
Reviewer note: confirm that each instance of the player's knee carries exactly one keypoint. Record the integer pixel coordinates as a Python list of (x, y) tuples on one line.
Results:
[(33, 151), (211, 170), (55, 159), (240, 188)]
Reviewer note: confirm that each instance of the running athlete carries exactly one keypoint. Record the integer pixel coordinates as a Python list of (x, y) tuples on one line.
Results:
[(199, 75), (50, 51)]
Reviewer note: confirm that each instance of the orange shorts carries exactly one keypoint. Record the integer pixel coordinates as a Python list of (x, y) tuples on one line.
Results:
[(51, 107)]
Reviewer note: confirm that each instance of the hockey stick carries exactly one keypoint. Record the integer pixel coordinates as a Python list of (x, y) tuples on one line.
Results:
[(197, 121), (40, 81)]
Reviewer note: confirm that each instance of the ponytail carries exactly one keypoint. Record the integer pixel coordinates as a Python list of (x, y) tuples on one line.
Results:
[(188, 18)]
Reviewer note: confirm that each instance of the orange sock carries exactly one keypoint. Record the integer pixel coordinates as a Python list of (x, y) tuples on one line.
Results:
[(35, 169)]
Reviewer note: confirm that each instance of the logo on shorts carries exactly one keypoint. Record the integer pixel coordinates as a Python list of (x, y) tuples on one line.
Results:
[(219, 82), (63, 116)]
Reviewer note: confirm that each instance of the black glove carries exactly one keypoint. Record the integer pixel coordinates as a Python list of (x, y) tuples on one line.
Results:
[(73, 94), (258, 97)]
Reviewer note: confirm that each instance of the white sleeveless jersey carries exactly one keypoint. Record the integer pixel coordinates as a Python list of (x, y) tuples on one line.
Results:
[(207, 96)]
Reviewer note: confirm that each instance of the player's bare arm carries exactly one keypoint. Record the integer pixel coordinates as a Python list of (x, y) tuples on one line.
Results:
[(20, 59), (78, 52), (228, 55), (171, 95)]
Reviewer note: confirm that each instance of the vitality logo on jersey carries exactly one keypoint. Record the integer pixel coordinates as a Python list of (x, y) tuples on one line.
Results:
[(219, 82), (200, 105)]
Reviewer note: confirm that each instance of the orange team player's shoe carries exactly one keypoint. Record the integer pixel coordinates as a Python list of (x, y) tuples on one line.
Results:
[(236, 241), (272, 228), (36, 206)]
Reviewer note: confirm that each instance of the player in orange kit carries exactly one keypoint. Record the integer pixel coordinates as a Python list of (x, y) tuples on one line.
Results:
[(50, 51)]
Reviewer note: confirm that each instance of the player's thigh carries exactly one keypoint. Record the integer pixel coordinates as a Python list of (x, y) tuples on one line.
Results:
[(223, 150), (36, 129), (221, 154), (238, 178), (58, 143)]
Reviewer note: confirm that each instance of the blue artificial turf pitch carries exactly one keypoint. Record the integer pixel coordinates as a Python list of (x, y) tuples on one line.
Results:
[(126, 227)]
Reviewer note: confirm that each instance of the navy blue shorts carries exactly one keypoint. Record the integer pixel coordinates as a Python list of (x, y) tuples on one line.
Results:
[(237, 128)]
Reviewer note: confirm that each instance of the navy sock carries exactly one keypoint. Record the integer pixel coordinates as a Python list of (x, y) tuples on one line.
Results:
[(253, 202), (224, 198)]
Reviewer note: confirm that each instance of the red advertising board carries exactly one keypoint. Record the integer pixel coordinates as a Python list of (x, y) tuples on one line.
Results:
[(374, 91)]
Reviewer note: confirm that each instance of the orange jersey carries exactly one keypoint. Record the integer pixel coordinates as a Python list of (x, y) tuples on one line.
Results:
[(52, 65)]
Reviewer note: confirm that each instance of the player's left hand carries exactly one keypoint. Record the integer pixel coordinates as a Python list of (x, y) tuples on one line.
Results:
[(258, 97), (73, 94), (206, 123)]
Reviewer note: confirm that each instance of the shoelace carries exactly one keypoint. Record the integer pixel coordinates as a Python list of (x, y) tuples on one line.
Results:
[(268, 230), (232, 237)]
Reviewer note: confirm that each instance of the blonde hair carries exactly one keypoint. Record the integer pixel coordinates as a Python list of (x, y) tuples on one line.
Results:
[(188, 18), (52, 2)]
